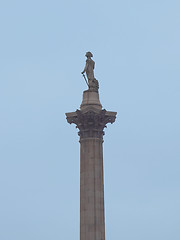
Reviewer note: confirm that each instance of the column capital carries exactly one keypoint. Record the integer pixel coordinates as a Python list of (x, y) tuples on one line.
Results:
[(91, 122)]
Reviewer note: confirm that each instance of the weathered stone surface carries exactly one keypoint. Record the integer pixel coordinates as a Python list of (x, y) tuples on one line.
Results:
[(91, 190), (93, 83), (91, 121), (90, 99)]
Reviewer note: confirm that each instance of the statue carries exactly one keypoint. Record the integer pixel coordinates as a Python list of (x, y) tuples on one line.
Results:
[(89, 70)]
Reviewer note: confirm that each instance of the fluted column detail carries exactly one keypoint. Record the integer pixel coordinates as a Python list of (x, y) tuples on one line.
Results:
[(91, 121)]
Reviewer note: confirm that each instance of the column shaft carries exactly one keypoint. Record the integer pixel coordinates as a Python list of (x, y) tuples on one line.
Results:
[(92, 224)]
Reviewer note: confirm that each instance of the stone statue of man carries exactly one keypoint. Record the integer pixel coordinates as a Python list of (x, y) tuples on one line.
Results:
[(89, 70)]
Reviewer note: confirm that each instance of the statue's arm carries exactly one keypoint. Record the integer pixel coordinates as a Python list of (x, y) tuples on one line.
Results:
[(85, 68)]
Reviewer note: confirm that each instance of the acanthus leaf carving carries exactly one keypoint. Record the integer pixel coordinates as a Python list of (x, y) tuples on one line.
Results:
[(91, 123)]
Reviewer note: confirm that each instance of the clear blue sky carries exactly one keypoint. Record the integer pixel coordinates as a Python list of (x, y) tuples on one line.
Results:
[(136, 47)]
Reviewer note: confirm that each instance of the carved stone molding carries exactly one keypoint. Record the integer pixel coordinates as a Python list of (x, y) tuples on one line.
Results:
[(91, 123)]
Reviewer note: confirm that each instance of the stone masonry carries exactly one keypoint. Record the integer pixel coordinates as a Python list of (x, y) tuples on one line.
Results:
[(91, 121)]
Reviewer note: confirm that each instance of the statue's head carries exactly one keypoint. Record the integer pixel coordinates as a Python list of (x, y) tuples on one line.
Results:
[(89, 54)]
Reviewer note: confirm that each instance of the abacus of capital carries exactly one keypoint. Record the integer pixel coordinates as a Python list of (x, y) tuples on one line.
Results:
[(91, 120)]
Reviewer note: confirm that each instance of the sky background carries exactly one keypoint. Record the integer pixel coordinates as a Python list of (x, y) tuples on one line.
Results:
[(136, 47)]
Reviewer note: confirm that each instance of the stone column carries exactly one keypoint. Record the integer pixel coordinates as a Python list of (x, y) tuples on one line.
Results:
[(91, 121)]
